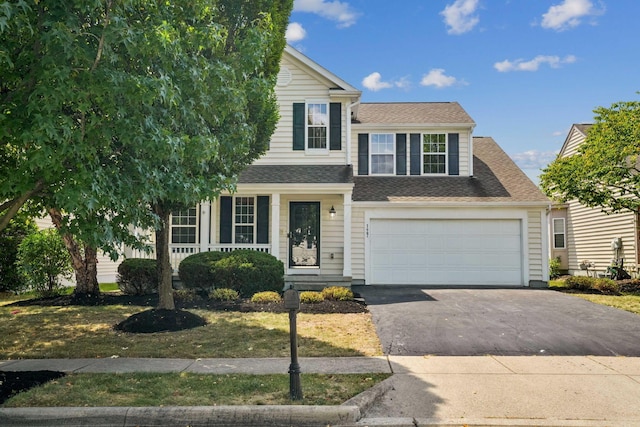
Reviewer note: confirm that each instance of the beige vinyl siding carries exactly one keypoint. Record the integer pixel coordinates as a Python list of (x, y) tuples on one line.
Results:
[(535, 246), (563, 254), (357, 243), (573, 142), (463, 144), (589, 236), (304, 85)]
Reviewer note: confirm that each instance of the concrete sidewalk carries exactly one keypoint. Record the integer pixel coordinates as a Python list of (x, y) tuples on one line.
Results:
[(424, 391)]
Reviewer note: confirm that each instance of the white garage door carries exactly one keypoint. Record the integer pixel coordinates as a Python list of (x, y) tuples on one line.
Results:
[(445, 252)]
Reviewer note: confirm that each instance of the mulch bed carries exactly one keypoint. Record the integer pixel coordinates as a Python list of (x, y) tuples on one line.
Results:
[(14, 382)]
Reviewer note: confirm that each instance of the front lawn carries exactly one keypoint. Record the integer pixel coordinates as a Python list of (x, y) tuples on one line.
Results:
[(628, 301)]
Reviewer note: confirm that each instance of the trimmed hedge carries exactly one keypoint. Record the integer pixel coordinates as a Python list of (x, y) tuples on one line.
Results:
[(266, 297), (337, 293), (224, 294), (584, 283), (244, 271), (311, 297), (138, 276)]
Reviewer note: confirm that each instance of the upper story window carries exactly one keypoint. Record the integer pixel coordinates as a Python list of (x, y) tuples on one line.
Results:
[(317, 126), (558, 234), (184, 225), (382, 153), (244, 220), (434, 153)]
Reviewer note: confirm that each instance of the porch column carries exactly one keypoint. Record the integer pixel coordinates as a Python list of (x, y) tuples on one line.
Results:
[(205, 222), (347, 235), (275, 225)]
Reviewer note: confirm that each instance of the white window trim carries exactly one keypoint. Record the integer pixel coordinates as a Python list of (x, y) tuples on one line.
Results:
[(316, 151), (255, 218), (564, 233), (371, 154), (196, 227), (446, 154)]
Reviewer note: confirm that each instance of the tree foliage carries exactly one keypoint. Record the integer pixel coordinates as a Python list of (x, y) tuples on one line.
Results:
[(605, 172), (20, 226)]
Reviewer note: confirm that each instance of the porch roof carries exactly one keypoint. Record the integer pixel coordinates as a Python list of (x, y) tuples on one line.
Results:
[(496, 179), (297, 174)]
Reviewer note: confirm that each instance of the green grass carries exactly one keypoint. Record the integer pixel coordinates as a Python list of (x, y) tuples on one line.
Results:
[(9, 298), (186, 389), (625, 301)]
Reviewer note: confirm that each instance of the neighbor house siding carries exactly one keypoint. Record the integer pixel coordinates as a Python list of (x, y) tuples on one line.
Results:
[(535, 246), (304, 85)]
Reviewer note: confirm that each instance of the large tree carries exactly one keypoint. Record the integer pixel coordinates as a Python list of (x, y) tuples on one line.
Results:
[(116, 113), (605, 172)]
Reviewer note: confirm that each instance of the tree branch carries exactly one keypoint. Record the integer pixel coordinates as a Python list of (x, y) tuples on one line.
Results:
[(13, 206), (101, 41)]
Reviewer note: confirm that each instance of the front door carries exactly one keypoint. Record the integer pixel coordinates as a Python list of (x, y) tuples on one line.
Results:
[(304, 234)]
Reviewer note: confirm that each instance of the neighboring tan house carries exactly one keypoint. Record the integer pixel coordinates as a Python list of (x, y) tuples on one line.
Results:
[(579, 233), (375, 193)]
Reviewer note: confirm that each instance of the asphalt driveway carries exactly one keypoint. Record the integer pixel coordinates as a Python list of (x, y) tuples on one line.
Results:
[(509, 322)]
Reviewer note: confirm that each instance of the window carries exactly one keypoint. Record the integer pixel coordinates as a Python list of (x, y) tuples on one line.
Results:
[(184, 225), (382, 154), (244, 220), (558, 233), (434, 153), (317, 125)]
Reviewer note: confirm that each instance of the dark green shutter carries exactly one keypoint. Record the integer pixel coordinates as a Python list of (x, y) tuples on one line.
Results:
[(298, 125), (415, 153), (454, 154), (401, 154), (363, 154), (263, 220), (335, 126), (226, 219)]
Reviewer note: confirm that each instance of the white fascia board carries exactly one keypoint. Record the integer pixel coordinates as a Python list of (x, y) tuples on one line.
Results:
[(294, 188), (453, 205)]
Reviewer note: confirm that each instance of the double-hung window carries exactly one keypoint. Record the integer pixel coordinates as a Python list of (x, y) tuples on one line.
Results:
[(244, 220), (434, 153), (317, 114), (184, 226), (382, 154), (559, 234)]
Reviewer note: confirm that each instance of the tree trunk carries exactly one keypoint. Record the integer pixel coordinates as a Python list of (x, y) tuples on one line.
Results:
[(165, 288), (84, 265)]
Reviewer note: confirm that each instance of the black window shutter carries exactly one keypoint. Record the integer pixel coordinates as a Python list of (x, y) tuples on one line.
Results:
[(454, 154), (226, 219), (335, 126), (298, 125), (415, 153), (363, 154), (263, 220), (401, 154)]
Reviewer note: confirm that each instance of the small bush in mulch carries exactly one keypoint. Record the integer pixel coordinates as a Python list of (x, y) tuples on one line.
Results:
[(266, 297), (158, 320), (631, 286), (311, 297), (14, 382)]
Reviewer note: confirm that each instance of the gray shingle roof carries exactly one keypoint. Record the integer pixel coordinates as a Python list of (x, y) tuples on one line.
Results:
[(412, 112), (297, 174), (583, 127), (496, 179)]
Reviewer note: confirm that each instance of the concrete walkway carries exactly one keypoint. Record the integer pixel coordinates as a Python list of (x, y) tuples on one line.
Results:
[(424, 391)]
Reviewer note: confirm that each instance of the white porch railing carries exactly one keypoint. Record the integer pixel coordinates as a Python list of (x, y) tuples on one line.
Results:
[(178, 252)]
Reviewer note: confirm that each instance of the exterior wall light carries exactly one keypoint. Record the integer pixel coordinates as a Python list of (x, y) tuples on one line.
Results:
[(332, 212)]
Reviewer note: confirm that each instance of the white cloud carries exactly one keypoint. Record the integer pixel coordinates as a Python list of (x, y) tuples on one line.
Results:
[(338, 11), (459, 16), (568, 14), (437, 78), (374, 82), (534, 64), (534, 159), (295, 33)]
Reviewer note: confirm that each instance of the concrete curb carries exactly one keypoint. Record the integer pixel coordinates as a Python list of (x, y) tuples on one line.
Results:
[(193, 416), (367, 398)]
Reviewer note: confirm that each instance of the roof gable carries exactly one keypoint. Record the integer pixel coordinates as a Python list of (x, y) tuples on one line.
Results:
[(577, 131)]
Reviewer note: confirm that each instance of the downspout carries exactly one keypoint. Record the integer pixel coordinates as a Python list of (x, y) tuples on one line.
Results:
[(348, 153)]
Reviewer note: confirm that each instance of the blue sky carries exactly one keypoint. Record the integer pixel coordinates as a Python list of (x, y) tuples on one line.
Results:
[(525, 70)]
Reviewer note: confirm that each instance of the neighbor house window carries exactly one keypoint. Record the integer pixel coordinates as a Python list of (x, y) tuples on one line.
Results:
[(184, 226), (317, 125), (434, 153), (558, 233), (382, 154), (244, 220)]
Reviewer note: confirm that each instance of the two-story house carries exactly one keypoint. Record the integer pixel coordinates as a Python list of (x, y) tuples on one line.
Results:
[(376, 193)]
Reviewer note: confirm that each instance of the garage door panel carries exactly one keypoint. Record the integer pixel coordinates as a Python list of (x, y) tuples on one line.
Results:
[(441, 252)]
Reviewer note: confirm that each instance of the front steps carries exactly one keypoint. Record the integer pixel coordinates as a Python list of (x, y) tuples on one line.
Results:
[(311, 282)]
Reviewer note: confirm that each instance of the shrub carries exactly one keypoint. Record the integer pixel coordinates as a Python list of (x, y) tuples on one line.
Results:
[(606, 286), (224, 294), (337, 293), (42, 260), (266, 297), (581, 283), (554, 267), (18, 228), (185, 295), (309, 297), (245, 271), (195, 270), (138, 276)]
